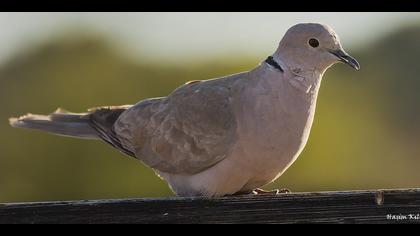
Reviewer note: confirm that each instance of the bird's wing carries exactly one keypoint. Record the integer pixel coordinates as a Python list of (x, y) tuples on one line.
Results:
[(187, 132)]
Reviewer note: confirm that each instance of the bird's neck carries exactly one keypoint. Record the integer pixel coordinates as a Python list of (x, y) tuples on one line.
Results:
[(306, 79)]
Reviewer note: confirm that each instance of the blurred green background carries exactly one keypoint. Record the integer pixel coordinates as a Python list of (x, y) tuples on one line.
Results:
[(365, 134)]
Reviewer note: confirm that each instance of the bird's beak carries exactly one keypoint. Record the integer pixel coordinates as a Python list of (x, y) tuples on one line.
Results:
[(346, 58)]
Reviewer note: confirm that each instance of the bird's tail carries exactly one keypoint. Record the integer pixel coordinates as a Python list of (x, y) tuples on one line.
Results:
[(60, 122)]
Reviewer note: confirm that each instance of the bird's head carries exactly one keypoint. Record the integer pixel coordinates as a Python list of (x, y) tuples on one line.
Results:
[(313, 46)]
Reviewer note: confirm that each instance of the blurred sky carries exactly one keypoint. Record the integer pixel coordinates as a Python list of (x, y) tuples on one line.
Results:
[(178, 36)]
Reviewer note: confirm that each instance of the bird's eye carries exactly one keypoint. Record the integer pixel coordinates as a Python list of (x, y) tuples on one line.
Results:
[(313, 42)]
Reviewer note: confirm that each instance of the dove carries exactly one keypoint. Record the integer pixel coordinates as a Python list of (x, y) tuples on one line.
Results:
[(222, 136)]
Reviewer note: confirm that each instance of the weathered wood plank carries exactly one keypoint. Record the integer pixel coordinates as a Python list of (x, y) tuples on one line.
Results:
[(322, 207)]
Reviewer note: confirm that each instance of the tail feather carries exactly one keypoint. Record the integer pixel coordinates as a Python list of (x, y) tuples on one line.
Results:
[(60, 122)]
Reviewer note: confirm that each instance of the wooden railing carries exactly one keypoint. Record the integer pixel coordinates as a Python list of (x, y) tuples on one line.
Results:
[(373, 206)]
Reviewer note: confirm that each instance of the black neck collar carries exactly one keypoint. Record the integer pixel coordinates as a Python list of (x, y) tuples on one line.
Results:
[(270, 60)]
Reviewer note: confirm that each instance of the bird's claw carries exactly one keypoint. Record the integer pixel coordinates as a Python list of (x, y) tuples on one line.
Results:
[(259, 191)]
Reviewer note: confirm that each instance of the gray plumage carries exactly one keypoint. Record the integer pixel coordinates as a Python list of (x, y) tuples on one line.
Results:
[(220, 136)]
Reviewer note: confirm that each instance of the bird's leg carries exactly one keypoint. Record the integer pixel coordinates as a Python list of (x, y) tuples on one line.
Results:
[(259, 191)]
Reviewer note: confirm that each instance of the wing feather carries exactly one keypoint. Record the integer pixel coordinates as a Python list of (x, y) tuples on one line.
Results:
[(188, 131)]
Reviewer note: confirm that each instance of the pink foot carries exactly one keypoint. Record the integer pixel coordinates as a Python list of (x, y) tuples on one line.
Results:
[(259, 191)]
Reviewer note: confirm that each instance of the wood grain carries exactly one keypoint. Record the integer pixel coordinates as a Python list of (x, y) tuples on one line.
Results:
[(370, 206)]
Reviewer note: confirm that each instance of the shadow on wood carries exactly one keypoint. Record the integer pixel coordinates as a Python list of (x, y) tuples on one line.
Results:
[(374, 206)]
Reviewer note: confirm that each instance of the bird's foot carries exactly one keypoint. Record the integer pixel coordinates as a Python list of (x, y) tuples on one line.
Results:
[(259, 191)]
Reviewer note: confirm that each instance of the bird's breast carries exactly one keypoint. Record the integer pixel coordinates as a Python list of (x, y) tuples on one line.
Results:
[(273, 129)]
